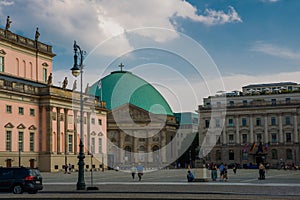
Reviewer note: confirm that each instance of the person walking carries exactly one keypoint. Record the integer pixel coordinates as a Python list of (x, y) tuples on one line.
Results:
[(221, 168), (140, 171), (133, 171), (66, 168), (225, 173), (214, 173), (261, 172), (70, 168)]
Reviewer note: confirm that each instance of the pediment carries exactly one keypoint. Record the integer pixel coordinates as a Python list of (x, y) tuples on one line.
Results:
[(9, 125), (2, 52), (100, 134), (32, 127), (21, 126), (93, 133)]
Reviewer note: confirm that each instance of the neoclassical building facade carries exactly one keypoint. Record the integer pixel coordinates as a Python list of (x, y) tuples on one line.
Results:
[(39, 124), (259, 124)]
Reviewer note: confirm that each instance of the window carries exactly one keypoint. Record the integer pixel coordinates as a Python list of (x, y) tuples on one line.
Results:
[(273, 101), (273, 121), (274, 154), (258, 122), (70, 143), (287, 120), (244, 122), (207, 123), (218, 123), (289, 155), (8, 109), (218, 155), (93, 146), (1, 64), (84, 120), (142, 139), (258, 137), (231, 155), (31, 112), (8, 140), (93, 120), (288, 100), (245, 156), (100, 145), (21, 111), (245, 102), (230, 122), (99, 121), (231, 139), (288, 137), (231, 103), (45, 75), (218, 104), (274, 137), (31, 142), (244, 138), (21, 141)]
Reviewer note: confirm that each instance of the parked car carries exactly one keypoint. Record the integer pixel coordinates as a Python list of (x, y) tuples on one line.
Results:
[(20, 179)]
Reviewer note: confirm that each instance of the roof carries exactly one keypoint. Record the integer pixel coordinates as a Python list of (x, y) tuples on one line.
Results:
[(271, 84), (121, 87)]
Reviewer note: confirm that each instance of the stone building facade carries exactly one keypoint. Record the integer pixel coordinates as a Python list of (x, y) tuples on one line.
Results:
[(259, 124)]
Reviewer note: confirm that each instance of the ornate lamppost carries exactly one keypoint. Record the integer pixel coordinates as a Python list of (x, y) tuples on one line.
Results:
[(78, 70)]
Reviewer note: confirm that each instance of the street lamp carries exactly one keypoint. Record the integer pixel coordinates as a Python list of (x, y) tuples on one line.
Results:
[(76, 70)]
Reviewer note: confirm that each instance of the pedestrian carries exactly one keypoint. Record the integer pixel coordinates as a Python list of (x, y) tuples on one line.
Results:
[(225, 173), (66, 168), (261, 172), (70, 168), (190, 176), (133, 171), (214, 173), (140, 171), (221, 168), (234, 168)]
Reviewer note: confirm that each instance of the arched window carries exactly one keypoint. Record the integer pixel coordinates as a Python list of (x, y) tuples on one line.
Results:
[(155, 153), (142, 149), (289, 155), (274, 154), (127, 154)]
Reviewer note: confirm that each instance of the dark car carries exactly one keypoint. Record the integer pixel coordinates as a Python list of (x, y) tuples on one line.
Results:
[(20, 179)]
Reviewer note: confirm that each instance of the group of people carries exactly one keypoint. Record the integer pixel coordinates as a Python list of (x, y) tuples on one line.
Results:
[(139, 170), (223, 172), (68, 168)]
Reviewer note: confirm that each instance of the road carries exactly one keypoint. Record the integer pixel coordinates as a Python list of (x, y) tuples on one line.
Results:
[(170, 184)]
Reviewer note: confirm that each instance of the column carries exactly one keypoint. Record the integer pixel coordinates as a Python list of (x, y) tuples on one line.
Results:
[(58, 150), (76, 144), (251, 129), (296, 137), (121, 146), (224, 135), (148, 143), (89, 131), (135, 149), (237, 130), (280, 129), (266, 137), (66, 130)]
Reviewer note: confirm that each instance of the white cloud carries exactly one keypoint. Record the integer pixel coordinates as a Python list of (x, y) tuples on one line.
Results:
[(93, 21), (273, 50), (270, 1), (6, 3)]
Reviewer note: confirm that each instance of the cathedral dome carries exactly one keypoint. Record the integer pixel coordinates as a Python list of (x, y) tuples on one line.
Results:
[(121, 87)]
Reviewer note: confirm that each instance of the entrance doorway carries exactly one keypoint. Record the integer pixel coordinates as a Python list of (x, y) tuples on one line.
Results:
[(8, 162)]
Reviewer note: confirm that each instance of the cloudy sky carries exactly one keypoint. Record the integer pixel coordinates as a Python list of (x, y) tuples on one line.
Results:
[(187, 49)]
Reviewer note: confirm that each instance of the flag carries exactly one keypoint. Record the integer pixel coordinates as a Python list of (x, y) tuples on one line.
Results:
[(245, 147), (253, 146)]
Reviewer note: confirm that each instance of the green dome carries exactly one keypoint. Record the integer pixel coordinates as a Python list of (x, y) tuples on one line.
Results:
[(121, 87)]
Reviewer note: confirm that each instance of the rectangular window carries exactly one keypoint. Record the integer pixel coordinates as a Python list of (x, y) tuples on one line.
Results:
[(93, 146), (45, 75), (93, 120), (231, 103), (70, 143), (21, 111), (245, 102), (273, 101), (1, 64), (218, 104), (100, 145), (207, 123), (288, 100), (21, 141), (258, 122), (99, 121), (31, 142), (273, 121), (244, 122), (230, 122), (70, 119), (8, 140), (288, 137), (245, 156), (231, 139), (32, 112), (218, 123), (8, 109), (274, 137), (287, 120), (258, 137), (244, 138)]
